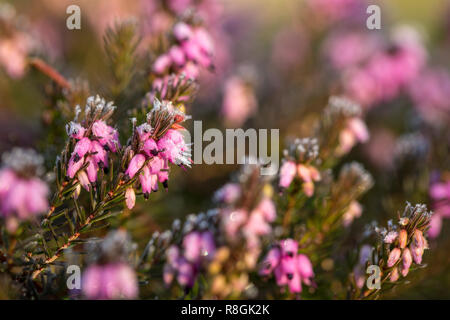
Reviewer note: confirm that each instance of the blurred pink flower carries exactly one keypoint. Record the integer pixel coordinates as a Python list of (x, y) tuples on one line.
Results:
[(110, 281), (23, 195), (239, 101), (289, 267)]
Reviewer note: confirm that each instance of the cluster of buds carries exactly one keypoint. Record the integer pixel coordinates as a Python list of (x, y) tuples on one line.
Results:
[(299, 162), (198, 249), (94, 139), (23, 194), (345, 115), (402, 245), (390, 68), (180, 65), (247, 211), (176, 88), (156, 143), (108, 275), (193, 252), (289, 267), (193, 48)]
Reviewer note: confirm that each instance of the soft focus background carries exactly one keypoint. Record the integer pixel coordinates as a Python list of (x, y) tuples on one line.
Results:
[(277, 61)]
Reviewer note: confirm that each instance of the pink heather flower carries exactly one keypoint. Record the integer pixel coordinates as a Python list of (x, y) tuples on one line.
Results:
[(84, 180), (394, 275), (239, 102), (75, 130), (406, 262), (287, 173), (24, 198), (198, 245), (175, 149), (144, 131), (13, 54), (271, 261), (228, 194), (107, 136), (418, 245), (135, 165), (197, 248), (150, 147), (349, 49), (182, 31), (356, 131), (256, 225), (267, 208), (388, 72), (435, 226), (402, 238), (391, 237), (93, 151), (81, 148), (91, 169), (99, 154), (305, 268), (233, 220), (23, 195), (162, 63), (110, 281), (130, 198), (354, 211), (394, 255), (289, 268), (177, 55)]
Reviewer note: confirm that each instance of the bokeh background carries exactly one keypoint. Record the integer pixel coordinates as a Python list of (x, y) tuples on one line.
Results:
[(274, 58)]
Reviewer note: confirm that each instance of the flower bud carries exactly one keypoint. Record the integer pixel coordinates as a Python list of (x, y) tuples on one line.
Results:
[(406, 262), (394, 275), (402, 238), (130, 198), (393, 257)]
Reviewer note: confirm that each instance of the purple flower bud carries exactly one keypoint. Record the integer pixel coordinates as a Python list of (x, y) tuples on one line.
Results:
[(289, 247), (394, 255), (162, 63), (182, 31), (287, 173), (130, 198), (111, 281), (406, 262), (271, 261), (305, 268), (135, 165), (82, 147), (177, 55), (394, 275)]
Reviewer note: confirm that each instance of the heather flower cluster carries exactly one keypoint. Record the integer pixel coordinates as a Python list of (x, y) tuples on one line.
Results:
[(23, 193), (401, 245), (298, 163), (108, 275), (94, 140), (156, 143), (288, 266), (361, 117)]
